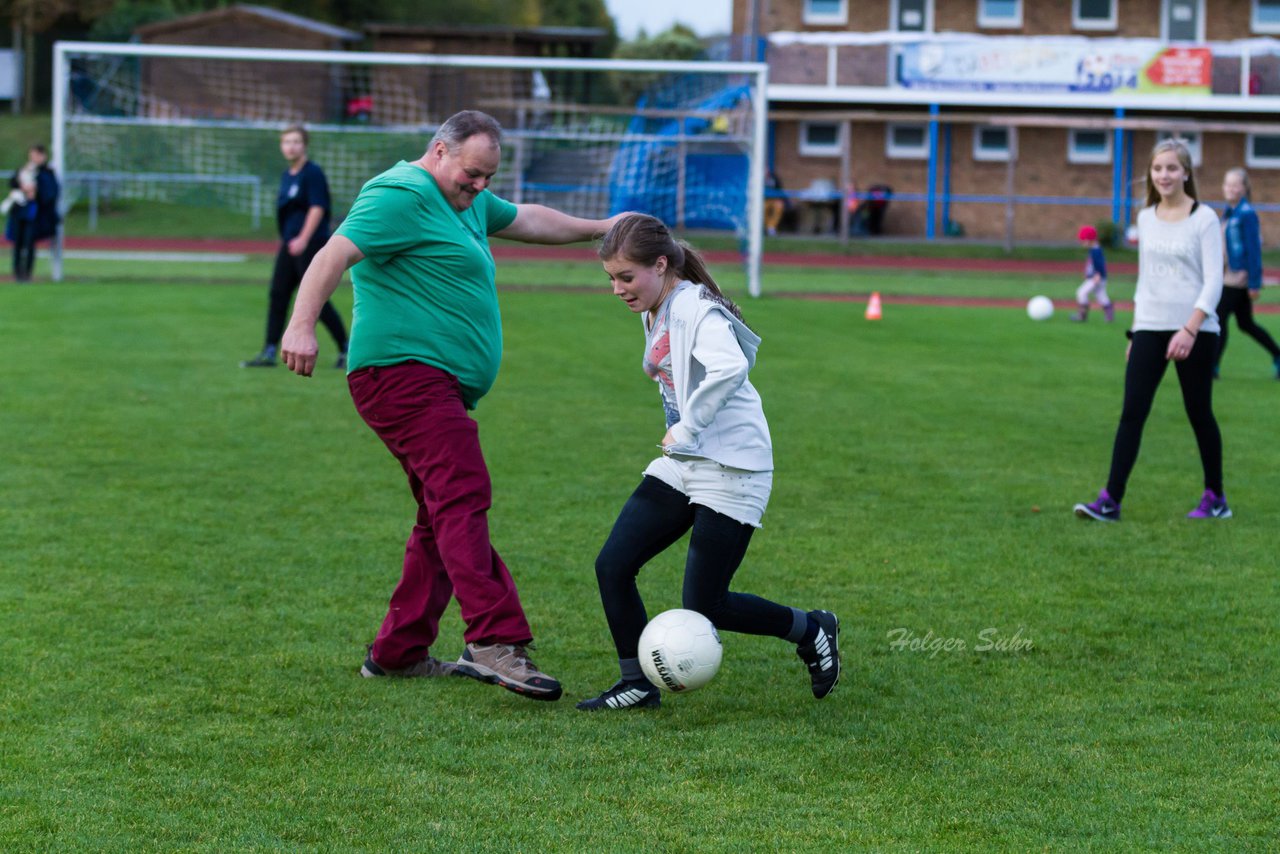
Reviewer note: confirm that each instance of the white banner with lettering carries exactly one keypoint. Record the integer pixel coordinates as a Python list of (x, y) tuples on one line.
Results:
[(1102, 66)]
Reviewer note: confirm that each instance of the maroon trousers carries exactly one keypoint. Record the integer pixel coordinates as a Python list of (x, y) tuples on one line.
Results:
[(417, 411)]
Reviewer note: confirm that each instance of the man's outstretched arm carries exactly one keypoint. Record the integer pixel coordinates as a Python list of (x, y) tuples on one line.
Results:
[(541, 224)]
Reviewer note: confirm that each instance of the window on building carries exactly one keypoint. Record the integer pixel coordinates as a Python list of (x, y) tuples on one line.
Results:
[(1191, 139), (912, 16), (1182, 21), (996, 14), (820, 139), (1089, 146), (1266, 16), (907, 142), (990, 143), (1262, 151), (826, 12), (1093, 14)]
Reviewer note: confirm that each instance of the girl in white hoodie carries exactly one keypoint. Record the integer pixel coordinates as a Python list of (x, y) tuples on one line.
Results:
[(715, 472)]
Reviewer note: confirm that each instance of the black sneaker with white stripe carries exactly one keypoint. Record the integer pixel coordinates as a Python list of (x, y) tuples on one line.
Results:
[(822, 656), (624, 695)]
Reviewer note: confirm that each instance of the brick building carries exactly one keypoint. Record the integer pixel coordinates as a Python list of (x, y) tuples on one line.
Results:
[(431, 94), (322, 93), (1017, 118), (199, 89)]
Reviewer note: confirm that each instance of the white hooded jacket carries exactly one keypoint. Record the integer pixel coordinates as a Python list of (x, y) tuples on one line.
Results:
[(721, 415)]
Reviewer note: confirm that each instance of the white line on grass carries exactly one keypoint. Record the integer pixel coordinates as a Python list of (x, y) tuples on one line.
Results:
[(110, 255)]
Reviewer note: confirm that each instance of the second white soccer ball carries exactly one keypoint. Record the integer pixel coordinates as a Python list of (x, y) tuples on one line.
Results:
[(680, 650), (1040, 308)]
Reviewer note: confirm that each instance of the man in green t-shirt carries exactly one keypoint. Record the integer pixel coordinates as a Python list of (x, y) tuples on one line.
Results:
[(426, 341)]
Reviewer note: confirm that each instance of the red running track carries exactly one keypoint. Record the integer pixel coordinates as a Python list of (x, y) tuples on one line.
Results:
[(511, 251), (525, 252)]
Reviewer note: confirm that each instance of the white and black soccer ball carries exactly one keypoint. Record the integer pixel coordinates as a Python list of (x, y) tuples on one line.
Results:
[(680, 650)]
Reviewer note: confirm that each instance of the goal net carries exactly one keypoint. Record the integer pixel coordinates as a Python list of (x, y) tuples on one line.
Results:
[(199, 126)]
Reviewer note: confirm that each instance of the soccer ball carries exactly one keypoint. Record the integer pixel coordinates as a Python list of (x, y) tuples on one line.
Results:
[(680, 650), (1040, 308)]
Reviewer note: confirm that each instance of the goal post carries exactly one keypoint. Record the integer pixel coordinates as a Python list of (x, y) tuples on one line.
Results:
[(179, 124)]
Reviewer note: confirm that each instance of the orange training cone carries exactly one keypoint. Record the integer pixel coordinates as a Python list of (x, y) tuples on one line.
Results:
[(873, 306)]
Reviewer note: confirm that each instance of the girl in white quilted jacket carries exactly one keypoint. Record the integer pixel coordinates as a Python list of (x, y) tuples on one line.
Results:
[(716, 469)]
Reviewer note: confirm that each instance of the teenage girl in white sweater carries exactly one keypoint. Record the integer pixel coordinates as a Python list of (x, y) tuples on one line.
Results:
[(1174, 320), (716, 468)]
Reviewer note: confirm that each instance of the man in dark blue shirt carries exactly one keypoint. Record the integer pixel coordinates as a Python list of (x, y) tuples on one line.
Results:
[(302, 215)]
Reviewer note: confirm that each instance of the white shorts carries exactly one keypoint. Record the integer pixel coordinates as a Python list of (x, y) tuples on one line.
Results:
[(1097, 291), (737, 493)]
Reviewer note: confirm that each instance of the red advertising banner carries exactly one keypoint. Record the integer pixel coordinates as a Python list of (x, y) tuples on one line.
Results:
[(1182, 68)]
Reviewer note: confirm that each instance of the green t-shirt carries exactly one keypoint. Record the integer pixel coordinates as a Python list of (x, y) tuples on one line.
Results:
[(425, 291)]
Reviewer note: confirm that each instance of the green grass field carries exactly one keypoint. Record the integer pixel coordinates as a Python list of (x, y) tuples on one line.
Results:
[(192, 557)]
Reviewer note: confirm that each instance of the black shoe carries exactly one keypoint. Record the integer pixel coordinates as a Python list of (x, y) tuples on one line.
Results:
[(341, 364), (265, 359), (624, 695), (822, 656)]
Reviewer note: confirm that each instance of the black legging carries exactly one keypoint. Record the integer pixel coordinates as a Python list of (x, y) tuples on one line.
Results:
[(24, 247), (654, 517), (285, 279), (1142, 377), (1238, 302)]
